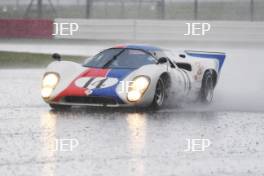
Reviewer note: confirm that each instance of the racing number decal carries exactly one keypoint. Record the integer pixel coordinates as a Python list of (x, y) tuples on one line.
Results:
[(87, 83), (200, 69), (95, 82)]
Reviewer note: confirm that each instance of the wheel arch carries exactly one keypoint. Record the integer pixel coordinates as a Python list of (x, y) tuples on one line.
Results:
[(166, 76)]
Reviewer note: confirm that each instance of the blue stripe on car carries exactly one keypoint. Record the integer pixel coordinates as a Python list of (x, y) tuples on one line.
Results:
[(120, 74), (144, 47), (220, 57)]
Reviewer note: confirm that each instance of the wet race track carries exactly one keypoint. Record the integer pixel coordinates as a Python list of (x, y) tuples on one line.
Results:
[(36, 141)]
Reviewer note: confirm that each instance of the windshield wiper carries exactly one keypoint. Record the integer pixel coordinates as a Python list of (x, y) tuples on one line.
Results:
[(113, 59)]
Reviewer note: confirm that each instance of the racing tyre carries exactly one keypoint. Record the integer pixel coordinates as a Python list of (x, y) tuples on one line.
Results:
[(60, 107), (160, 95), (207, 90)]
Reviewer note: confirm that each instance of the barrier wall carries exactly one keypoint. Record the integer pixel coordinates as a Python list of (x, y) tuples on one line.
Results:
[(163, 30), (133, 30), (13, 28)]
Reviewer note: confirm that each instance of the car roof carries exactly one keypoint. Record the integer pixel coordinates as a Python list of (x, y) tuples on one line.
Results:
[(145, 47)]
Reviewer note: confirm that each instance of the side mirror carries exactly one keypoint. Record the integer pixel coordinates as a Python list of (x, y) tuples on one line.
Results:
[(56, 56), (182, 55), (162, 60)]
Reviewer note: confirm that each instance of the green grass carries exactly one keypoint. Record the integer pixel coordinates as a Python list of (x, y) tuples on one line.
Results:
[(31, 60)]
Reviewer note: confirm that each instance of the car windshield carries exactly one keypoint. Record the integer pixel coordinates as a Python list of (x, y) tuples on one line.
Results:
[(120, 58)]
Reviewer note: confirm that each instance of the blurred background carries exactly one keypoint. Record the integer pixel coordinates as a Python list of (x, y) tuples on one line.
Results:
[(28, 25), (247, 10), (123, 143)]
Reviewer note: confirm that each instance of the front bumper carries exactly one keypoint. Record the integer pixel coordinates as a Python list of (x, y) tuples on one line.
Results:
[(93, 105), (95, 101)]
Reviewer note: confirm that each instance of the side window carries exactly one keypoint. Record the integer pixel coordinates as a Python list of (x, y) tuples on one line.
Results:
[(132, 58)]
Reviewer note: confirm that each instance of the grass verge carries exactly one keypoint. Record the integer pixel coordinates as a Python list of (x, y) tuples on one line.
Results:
[(31, 60)]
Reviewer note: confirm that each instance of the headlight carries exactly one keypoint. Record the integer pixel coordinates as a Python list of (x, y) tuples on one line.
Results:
[(137, 88), (49, 82), (46, 92)]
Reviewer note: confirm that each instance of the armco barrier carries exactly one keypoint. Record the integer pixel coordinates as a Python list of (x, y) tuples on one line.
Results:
[(132, 30), (25, 28), (162, 30)]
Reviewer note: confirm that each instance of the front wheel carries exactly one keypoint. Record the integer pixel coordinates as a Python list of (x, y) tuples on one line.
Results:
[(60, 107), (207, 90), (160, 95)]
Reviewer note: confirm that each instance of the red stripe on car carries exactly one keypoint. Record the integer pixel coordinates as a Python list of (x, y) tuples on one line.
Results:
[(120, 46), (73, 90)]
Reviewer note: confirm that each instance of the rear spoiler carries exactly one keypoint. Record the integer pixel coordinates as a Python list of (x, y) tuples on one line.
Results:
[(208, 55)]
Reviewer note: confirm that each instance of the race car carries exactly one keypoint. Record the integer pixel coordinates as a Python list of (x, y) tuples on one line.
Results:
[(132, 75)]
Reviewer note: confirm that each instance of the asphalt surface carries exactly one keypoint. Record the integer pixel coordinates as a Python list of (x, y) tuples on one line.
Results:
[(115, 142), (121, 141)]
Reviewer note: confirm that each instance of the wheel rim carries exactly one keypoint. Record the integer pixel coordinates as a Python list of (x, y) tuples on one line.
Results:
[(160, 94)]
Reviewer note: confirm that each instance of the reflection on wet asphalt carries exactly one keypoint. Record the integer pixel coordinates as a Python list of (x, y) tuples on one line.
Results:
[(120, 141)]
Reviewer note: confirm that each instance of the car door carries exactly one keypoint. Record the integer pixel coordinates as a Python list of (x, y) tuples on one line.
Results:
[(180, 80)]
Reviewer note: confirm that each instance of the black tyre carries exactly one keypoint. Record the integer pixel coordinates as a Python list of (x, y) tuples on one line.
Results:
[(60, 107), (207, 90), (160, 95)]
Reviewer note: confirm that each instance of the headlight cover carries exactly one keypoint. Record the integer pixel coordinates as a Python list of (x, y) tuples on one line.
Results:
[(49, 82), (137, 88)]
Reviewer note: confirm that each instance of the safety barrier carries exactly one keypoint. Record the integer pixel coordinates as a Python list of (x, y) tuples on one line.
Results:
[(133, 30), (25, 28), (162, 30)]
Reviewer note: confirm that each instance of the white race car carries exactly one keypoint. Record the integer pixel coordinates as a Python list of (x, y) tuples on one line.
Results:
[(132, 75)]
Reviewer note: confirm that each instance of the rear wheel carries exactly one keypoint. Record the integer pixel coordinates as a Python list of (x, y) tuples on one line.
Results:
[(207, 90), (160, 95), (60, 107)]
